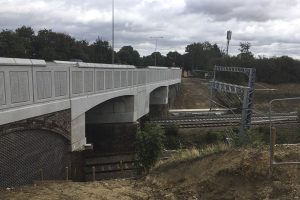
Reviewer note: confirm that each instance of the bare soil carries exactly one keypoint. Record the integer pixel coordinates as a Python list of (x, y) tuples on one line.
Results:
[(234, 174), (194, 94)]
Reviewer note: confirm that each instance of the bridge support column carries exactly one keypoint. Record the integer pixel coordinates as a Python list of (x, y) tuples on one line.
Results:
[(159, 102), (78, 139), (173, 90), (159, 96)]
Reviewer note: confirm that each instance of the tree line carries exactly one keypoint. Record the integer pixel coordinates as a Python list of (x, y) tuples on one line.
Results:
[(46, 44)]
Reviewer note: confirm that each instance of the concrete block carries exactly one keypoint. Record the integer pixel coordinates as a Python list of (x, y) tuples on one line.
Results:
[(82, 64), (7, 61), (36, 62), (21, 61)]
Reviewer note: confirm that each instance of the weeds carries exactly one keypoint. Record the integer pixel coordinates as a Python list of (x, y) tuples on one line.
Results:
[(195, 153)]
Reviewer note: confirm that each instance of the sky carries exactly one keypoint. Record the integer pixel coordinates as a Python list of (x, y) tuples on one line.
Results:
[(271, 26)]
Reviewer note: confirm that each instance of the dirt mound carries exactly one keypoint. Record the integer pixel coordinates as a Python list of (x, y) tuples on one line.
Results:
[(232, 174), (235, 174)]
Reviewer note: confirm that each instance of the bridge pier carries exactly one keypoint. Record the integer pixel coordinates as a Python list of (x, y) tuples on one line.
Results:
[(173, 90), (78, 139), (159, 102)]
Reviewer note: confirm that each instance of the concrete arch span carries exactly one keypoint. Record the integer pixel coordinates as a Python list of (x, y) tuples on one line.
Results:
[(124, 106)]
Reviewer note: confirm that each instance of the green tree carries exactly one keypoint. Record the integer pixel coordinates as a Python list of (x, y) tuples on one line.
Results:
[(202, 55), (80, 50), (12, 45), (149, 146), (50, 45), (27, 36), (150, 60), (245, 50), (127, 55), (100, 51), (174, 59)]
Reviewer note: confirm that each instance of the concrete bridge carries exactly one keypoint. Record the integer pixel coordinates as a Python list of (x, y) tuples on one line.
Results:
[(64, 97)]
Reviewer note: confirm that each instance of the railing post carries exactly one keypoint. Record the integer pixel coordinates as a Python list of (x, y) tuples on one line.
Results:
[(94, 173), (42, 174), (272, 145), (121, 165), (67, 173)]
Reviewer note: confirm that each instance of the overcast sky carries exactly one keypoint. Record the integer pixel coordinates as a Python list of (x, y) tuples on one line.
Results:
[(271, 26)]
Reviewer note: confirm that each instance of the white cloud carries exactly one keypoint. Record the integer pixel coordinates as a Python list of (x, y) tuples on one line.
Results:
[(272, 26)]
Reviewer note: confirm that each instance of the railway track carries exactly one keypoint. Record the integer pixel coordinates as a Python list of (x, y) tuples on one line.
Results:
[(224, 120)]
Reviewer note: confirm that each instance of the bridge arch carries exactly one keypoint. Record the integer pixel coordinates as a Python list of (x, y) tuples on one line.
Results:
[(159, 95), (116, 110), (110, 126)]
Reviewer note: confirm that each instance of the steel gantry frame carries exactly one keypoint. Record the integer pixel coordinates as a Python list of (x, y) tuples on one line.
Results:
[(246, 92)]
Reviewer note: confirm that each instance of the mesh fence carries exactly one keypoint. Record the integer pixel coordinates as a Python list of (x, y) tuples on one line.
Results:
[(31, 155), (285, 118)]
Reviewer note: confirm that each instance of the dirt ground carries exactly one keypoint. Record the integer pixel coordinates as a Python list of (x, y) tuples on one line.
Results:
[(233, 174), (195, 93)]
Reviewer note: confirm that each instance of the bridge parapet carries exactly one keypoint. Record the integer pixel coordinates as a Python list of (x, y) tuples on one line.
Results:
[(26, 82)]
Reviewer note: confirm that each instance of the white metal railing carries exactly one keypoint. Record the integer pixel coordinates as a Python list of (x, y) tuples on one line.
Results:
[(27, 81)]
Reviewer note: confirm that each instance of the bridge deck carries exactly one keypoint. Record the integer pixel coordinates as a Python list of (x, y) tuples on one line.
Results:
[(30, 88)]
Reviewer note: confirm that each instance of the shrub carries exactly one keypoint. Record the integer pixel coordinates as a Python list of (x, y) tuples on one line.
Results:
[(211, 137), (251, 138), (172, 130), (149, 146), (172, 140)]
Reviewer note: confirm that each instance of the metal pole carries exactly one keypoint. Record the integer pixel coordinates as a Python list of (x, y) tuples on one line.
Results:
[(155, 49), (113, 33), (156, 38), (211, 89), (227, 47), (272, 144)]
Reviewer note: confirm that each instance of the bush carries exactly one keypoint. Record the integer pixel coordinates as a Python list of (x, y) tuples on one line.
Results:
[(251, 137), (172, 130), (172, 140), (149, 146), (211, 137)]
